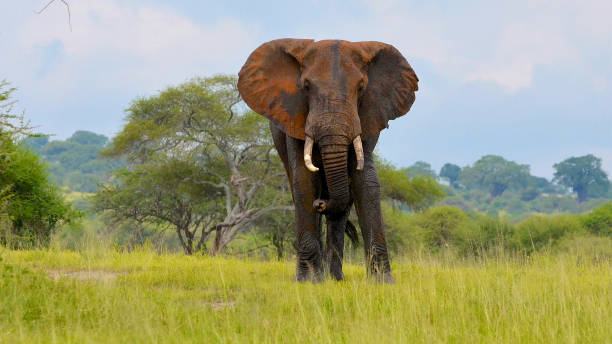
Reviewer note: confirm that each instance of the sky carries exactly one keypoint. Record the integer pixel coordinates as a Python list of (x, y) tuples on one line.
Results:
[(528, 80)]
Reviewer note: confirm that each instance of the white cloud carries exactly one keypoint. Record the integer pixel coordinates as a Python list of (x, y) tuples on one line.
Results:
[(123, 46), (503, 43)]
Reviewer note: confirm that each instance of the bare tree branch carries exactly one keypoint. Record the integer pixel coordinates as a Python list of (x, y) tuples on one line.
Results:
[(67, 9)]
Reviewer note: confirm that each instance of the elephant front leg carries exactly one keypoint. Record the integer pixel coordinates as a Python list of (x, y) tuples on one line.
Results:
[(366, 189), (306, 188), (334, 250)]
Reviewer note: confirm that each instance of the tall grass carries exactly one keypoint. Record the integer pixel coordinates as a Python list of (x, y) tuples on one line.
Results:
[(143, 297)]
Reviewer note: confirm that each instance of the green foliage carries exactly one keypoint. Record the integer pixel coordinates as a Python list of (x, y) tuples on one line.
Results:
[(12, 125), (543, 232), (163, 191), (227, 174), (529, 194), (30, 206), (418, 193), (445, 227), (420, 169), (76, 162), (494, 174), (583, 175), (87, 138), (451, 173), (599, 220)]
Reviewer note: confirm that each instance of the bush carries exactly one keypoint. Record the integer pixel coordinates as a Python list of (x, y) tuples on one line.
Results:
[(34, 206), (402, 234), (448, 227), (541, 232), (493, 233), (599, 221)]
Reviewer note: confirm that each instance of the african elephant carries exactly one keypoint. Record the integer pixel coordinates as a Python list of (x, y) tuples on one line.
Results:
[(327, 101)]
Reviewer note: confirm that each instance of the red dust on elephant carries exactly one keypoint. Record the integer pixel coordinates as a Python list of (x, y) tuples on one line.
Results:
[(327, 102)]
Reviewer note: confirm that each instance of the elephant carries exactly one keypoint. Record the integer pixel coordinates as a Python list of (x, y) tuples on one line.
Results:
[(327, 102)]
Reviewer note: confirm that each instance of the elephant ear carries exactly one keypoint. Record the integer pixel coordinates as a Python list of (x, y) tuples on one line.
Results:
[(389, 92), (268, 83)]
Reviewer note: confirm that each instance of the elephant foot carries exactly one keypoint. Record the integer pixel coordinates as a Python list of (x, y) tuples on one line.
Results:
[(338, 275), (309, 275), (314, 278)]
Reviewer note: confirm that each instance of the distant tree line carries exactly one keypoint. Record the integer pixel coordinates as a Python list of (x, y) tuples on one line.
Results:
[(76, 162), (582, 175), (194, 160)]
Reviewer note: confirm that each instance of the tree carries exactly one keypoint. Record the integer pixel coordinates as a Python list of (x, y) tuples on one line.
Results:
[(451, 173), (12, 126), (419, 192), (31, 208), (583, 175), (84, 137), (494, 174), (201, 120), (420, 168), (164, 191), (75, 162), (279, 229)]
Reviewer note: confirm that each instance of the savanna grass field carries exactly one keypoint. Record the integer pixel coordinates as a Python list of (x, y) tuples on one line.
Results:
[(91, 296), (192, 171)]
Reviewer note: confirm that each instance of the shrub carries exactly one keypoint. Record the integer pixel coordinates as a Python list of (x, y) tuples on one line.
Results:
[(540, 232), (34, 206), (448, 227), (599, 221), (493, 233), (402, 235)]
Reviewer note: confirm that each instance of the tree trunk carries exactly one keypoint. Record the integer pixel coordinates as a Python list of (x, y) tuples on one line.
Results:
[(187, 248), (582, 194)]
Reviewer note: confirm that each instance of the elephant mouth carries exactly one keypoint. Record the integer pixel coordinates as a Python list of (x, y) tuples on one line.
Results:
[(357, 145), (334, 153)]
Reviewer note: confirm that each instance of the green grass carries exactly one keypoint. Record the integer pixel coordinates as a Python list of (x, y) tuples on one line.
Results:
[(141, 297)]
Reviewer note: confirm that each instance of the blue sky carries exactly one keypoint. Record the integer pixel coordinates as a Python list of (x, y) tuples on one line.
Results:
[(528, 80)]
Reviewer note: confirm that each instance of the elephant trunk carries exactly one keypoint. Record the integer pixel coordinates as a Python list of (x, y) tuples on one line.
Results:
[(334, 154)]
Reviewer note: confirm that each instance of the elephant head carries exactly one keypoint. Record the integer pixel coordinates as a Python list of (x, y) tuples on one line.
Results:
[(331, 93)]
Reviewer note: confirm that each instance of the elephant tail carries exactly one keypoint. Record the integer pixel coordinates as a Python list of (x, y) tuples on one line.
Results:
[(351, 232)]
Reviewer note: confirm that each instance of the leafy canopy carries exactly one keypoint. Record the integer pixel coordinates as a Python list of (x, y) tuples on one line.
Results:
[(418, 193), (226, 170), (583, 175), (494, 174)]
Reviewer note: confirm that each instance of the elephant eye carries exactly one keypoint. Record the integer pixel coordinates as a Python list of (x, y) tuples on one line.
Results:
[(306, 85)]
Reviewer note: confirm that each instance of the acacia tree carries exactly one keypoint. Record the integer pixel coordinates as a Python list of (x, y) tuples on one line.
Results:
[(163, 191), (202, 120), (583, 175)]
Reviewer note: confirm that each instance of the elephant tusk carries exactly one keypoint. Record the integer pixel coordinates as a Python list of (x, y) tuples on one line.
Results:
[(308, 155), (358, 152)]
